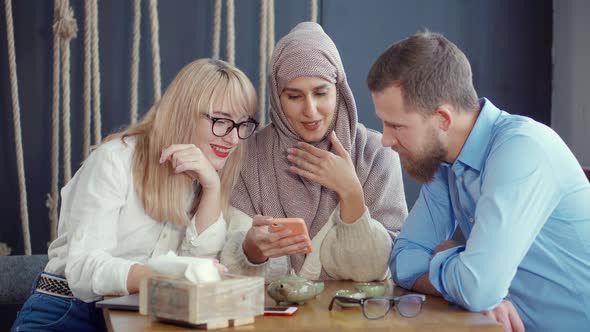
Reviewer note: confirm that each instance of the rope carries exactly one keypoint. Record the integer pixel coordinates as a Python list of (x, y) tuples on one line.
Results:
[(64, 29), (53, 197), (135, 60), (271, 28), (230, 33), (216, 29), (17, 127), (314, 10), (68, 30), (155, 48), (87, 77), (262, 62), (96, 75)]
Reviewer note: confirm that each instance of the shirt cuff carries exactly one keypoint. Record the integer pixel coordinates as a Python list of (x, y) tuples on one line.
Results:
[(408, 266), (437, 269), (209, 242), (124, 291)]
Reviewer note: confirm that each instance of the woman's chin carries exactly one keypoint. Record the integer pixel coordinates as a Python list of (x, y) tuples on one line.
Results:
[(217, 163), (219, 166), (313, 137)]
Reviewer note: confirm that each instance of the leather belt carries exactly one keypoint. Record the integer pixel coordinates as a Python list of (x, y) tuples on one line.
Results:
[(53, 285)]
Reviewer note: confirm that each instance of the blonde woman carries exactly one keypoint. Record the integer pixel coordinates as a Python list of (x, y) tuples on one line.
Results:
[(159, 185)]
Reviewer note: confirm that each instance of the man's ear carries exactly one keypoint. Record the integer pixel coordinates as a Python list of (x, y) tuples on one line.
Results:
[(445, 116)]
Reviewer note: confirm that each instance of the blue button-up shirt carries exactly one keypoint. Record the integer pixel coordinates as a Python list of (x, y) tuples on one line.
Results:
[(522, 201)]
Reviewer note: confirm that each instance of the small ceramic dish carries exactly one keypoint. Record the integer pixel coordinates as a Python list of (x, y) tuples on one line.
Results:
[(371, 289), (353, 294)]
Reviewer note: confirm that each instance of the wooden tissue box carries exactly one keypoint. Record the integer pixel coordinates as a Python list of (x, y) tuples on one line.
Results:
[(233, 301)]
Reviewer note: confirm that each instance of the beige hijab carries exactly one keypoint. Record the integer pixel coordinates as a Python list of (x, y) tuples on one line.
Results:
[(267, 187)]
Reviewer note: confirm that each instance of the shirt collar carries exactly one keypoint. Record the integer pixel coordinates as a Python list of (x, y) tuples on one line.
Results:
[(474, 151)]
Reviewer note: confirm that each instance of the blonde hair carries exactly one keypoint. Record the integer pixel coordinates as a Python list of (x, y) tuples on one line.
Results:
[(172, 120)]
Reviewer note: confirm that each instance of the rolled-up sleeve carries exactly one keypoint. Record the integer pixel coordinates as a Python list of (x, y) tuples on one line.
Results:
[(207, 244), (429, 223), (437, 263)]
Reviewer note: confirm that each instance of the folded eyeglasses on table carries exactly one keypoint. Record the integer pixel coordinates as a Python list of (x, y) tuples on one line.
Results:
[(408, 305)]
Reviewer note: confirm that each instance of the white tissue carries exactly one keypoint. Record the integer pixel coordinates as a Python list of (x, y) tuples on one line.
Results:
[(194, 269)]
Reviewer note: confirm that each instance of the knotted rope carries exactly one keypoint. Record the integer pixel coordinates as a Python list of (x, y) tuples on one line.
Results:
[(64, 30)]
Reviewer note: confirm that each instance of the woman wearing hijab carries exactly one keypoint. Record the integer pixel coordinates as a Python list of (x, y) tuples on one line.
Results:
[(315, 161)]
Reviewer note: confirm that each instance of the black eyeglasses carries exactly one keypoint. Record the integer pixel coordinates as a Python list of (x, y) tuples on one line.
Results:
[(222, 126), (377, 307)]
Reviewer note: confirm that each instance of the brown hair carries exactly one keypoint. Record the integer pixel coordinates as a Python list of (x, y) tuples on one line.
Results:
[(430, 70), (172, 120)]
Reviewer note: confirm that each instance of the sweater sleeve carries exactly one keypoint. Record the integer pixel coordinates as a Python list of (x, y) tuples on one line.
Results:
[(359, 251), (234, 258), (232, 255)]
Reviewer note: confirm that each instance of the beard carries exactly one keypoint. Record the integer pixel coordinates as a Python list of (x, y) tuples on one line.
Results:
[(423, 166)]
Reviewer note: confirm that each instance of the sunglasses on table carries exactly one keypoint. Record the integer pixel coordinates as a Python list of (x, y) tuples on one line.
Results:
[(408, 305)]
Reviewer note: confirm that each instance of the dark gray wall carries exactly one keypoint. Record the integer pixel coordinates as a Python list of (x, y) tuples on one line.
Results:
[(508, 43), (570, 111)]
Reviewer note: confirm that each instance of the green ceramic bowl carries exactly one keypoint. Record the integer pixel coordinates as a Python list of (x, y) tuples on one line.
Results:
[(371, 289), (354, 294)]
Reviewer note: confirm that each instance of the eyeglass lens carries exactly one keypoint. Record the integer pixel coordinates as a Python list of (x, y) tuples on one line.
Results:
[(376, 308), (222, 127), (407, 306)]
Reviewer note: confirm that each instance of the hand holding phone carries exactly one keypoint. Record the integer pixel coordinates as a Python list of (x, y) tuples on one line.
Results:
[(296, 225), (280, 311)]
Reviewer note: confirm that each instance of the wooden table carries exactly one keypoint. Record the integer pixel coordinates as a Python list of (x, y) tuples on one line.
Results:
[(436, 315)]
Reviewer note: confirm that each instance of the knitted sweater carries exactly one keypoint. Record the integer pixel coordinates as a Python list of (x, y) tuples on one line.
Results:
[(359, 251)]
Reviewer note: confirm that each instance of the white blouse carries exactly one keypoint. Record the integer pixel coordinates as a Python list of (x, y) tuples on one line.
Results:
[(103, 229)]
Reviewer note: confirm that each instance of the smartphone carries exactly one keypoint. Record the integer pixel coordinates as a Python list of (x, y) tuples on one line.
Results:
[(296, 225), (280, 311)]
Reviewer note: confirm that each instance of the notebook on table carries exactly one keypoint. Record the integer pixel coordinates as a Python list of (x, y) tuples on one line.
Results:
[(129, 302)]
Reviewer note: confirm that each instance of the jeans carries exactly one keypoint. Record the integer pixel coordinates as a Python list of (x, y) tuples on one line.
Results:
[(43, 312)]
